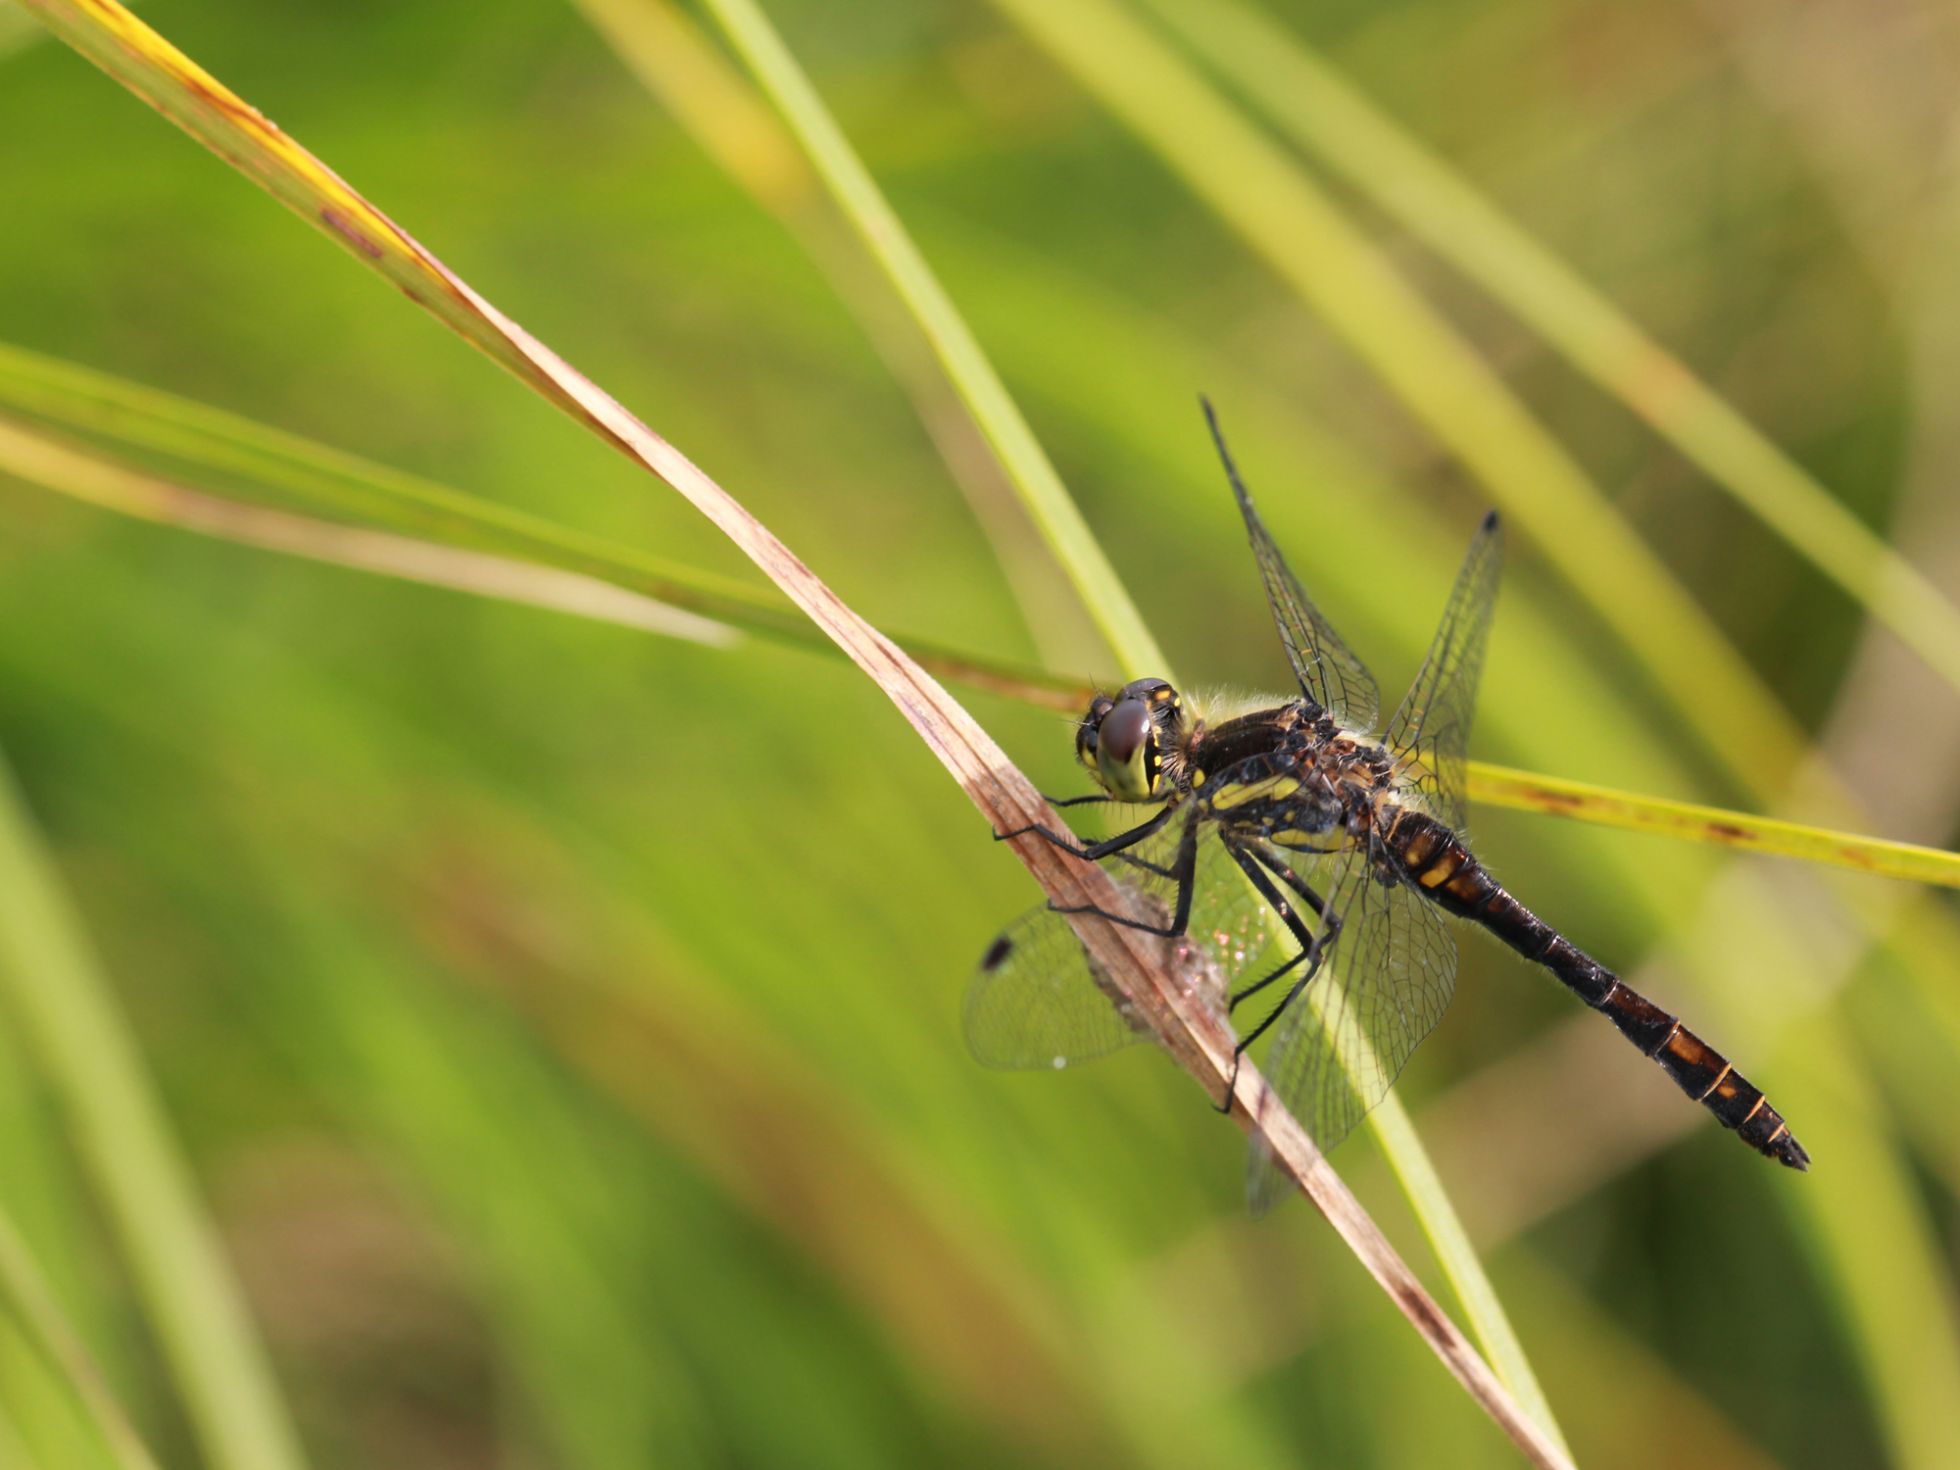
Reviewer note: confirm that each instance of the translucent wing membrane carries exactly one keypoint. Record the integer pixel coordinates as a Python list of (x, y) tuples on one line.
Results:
[(1038, 1000), (1385, 983), (1329, 673), (1432, 728)]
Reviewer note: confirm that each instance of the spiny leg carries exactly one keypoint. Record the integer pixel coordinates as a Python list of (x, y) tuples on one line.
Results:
[(1156, 869)]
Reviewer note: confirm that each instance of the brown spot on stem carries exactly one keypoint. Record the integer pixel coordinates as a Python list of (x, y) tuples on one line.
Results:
[(1423, 1313), (352, 233), (1559, 800)]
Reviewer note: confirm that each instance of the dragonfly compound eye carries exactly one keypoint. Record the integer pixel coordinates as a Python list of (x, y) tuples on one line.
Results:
[(1126, 750)]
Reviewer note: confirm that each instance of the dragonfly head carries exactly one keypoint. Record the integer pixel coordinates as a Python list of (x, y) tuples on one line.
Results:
[(1126, 741)]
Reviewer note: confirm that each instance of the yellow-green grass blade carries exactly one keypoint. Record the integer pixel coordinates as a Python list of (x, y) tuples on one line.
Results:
[(28, 1299), (289, 470), (1652, 1405), (986, 397), (137, 57), (1319, 109), (1257, 190), (68, 1014), (1690, 822), (779, 75)]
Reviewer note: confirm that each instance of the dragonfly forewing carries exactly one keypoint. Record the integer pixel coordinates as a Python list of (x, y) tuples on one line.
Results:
[(1329, 672)]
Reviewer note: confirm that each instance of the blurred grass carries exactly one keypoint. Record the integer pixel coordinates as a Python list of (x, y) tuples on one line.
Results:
[(69, 1020), (753, 831), (1313, 105), (29, 1301)]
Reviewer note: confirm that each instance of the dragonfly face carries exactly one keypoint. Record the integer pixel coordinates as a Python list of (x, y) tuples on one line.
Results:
[(1297, 854), (1128, 742)]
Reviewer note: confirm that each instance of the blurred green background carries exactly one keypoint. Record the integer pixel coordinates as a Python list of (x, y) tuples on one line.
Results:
[(563, 1022)]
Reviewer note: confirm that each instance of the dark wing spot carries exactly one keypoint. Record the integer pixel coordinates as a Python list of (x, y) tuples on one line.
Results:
[(997, 954)]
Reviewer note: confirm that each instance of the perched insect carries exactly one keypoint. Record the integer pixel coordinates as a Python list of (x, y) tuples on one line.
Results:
[(1352, 841)]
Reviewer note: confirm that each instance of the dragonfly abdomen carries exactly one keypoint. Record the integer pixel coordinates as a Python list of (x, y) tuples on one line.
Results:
[(1437, 861)]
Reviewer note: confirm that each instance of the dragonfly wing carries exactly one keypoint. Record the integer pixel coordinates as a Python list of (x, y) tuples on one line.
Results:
[(1431, 731), (1329, 673), (1387, 980), (1039, 1000)]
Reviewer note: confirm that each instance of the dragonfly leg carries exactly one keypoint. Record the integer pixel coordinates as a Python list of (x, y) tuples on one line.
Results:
[(1261, 871), (1313, 945), (1182, 872), (1093, 852), (1094, 799)]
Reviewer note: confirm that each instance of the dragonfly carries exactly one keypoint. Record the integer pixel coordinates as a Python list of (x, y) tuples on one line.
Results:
[(1293, 856)]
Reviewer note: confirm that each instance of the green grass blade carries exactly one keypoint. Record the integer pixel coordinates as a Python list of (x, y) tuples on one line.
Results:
[(1258, 191), (27, 1298), (986, 396), (1454, 1251), (68, 1016), (1320, 110)]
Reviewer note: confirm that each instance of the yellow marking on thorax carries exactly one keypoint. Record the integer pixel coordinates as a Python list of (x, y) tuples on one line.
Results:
[(1273, 788)]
